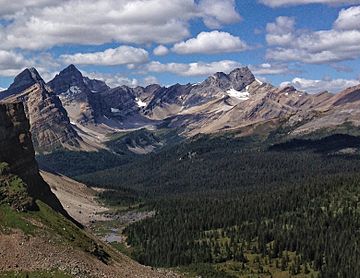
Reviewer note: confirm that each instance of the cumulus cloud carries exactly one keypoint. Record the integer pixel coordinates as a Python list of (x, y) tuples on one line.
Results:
[(348, 19), (281, 31), (211, 43), (271, 69), (149, 80), (315, 47), (218, 12), (113, 80), (9, 8), (121, 55), (11, 63), (326, 84), (160, 50), (124, 21), (280, 3), (192, 69)]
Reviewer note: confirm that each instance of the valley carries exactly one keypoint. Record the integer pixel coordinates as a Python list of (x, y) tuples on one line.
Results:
[(231, 177), (180, 139)]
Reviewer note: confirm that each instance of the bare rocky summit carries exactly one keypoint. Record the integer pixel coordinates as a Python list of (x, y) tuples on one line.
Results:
[(76, 112), (49, 123)]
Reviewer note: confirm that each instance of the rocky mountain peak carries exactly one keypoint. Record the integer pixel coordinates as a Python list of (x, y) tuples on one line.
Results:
[(241, 77), (69, 76), (50, 125), (22, 81), (71, 69), (237, 79)]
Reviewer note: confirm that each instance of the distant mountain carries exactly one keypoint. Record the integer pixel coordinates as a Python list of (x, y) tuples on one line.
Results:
[(235, 102), (78, 94), (50, 125)]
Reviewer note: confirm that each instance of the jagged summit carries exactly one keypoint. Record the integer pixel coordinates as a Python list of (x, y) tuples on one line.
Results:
[(237, 79), (241, 77), (50, 125), (68, 77), (27, 78)]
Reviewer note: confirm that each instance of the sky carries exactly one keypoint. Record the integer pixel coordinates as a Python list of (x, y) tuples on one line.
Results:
[(313, 45)]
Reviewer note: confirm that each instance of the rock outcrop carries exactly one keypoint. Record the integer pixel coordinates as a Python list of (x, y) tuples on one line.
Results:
[(16, 149), (50, 125), (78, 94)]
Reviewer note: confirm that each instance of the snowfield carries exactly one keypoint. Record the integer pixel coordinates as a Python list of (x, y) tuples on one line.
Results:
[(241, 95)]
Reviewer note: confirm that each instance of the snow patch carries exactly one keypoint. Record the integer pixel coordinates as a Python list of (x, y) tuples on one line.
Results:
[(258, 81), (71, 92), (286, 94), (140, 103), (115, 110), (241, 95)]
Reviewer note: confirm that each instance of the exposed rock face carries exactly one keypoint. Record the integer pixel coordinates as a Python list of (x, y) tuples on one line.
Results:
[(119, 102), (221, 102), (78, 94), (24, 80), (50, 125), (17, 150)]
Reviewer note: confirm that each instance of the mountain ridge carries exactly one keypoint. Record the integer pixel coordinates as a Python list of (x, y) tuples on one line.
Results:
[(222, 102)]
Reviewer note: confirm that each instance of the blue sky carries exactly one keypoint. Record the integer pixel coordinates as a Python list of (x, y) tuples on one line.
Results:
[(311, 44)]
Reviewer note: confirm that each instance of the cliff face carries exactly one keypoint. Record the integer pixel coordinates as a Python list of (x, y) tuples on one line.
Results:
[(17, 151), (50, 125), (78, 95)]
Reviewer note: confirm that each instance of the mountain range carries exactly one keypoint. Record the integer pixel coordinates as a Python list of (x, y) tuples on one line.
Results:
[(78, 113)]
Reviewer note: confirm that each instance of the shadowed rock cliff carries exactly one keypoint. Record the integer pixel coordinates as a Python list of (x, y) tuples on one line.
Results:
[(17, 151)]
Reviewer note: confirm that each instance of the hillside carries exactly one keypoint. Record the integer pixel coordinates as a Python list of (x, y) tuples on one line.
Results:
[(234, 207), (37, 236)]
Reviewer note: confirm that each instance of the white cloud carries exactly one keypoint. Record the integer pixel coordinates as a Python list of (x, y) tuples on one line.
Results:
[(326, 84), (315, 47), (121, 55), (160, 50), (218, 12), (279, 3), (348, 19), (112, 80), (211, 43), (93, 22), (193, 69), (270, 69), (149, 80), (9, 8), (11, 63), (281, 31)]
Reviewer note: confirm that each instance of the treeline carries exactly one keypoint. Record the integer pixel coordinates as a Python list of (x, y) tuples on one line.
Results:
[(220, 200), (317, 219)]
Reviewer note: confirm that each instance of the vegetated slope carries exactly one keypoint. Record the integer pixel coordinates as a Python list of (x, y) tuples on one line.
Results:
[(241, 209), (36, 233), (123, 147)]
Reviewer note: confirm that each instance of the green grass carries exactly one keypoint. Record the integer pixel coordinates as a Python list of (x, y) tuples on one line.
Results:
[(122, 248), (4, 168), (10, 219), (35, 274), (68, 232)]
